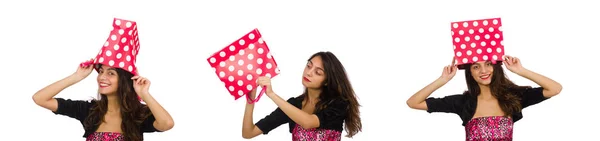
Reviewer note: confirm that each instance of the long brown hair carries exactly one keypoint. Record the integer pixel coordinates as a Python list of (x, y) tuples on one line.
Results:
[(337, 87), (133, 112), (501, 88)]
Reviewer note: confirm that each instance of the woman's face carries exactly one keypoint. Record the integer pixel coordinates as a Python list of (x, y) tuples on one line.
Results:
[(314, 73), (482, 72), (108, 80)]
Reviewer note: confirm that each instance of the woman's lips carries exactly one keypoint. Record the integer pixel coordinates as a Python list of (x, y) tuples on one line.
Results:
[(103, 85), (485, 77), (306, 79)]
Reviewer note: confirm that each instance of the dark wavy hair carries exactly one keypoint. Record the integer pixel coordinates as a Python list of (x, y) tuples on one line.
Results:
[(133, 112), (501, 88), (337, 87)]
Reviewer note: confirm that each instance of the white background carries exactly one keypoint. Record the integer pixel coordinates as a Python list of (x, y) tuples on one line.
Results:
[(390, 50)]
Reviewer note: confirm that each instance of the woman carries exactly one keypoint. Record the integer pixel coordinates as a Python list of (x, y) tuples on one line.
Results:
[(118, 114), (492, 102), (319, 113)]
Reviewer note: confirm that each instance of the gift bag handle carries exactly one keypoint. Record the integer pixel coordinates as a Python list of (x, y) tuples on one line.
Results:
[(86, 63), (250, 101)]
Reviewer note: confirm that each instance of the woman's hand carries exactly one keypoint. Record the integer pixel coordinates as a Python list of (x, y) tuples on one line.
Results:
[(513, 64), (83, 71), (449, 71), (265, 81), (141, 85)]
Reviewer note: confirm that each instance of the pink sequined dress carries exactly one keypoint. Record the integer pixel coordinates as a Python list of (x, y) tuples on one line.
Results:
[(301, 134), (105, 136), (492, 128)]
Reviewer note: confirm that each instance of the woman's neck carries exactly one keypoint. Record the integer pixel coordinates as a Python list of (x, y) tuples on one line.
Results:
[(485, 93), (113, 103), (313, 94)]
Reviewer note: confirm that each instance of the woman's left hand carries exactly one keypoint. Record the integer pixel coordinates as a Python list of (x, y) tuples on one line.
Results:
[(513, 64), (141, 85), (265, 81)]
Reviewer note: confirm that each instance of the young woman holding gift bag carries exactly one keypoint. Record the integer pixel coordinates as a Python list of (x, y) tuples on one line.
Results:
[(492, 102), (320, 112), (118, 114)]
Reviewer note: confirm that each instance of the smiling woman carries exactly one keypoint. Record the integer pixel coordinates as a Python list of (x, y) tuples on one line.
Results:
[(492, 102), (117, 114)]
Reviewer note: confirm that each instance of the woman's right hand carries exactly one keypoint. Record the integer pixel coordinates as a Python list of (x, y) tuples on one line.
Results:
[(83, 71), (449, 71)]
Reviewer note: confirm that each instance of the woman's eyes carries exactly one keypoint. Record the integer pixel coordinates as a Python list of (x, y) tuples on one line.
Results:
[(109, 73)]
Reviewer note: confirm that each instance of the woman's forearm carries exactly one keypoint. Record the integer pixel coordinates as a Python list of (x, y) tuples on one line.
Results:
[(248, 125), (44, 96), (164, 121), (304, 119), (416, 101), (551, 87)]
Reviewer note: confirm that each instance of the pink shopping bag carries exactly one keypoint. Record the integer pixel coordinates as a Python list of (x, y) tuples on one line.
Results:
[(477, 40), (120, 49), (240, 63)]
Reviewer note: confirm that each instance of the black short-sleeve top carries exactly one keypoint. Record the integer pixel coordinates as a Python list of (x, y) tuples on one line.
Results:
[(330, 118), (465, 105), (79, 109)]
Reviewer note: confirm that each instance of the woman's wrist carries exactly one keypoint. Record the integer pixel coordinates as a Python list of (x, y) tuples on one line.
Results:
[(75, 78), (144, 95)]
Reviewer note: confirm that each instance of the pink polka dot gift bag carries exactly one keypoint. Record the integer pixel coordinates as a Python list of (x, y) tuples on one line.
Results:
[(477, 40), (240, 63), (121, 47)]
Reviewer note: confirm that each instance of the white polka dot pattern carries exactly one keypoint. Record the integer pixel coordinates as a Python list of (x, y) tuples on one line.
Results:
[(239, 64), (116, 46), (484, 38)]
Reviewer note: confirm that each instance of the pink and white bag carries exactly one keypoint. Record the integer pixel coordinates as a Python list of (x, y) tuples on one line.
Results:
[(240, 63), (477, 40)]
